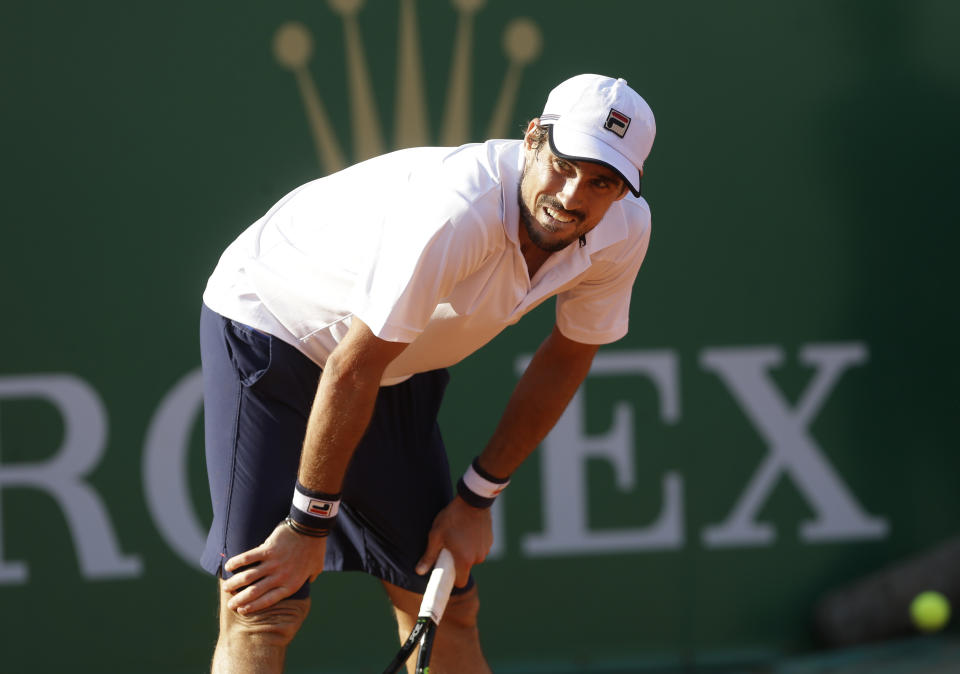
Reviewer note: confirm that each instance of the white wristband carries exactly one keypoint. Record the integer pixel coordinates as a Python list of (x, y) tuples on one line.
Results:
[(481, 486), (315, 507)]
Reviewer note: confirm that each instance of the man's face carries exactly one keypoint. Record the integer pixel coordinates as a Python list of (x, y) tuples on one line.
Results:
[(560, 199)]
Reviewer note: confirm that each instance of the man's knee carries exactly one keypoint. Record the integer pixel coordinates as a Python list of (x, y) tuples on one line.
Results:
[(462, 609), (273, 626)]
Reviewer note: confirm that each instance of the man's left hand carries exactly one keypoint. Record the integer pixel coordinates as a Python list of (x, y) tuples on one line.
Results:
[(465, 531)]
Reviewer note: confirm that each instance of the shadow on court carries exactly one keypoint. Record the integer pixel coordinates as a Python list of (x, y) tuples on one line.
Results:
[(937, 654)]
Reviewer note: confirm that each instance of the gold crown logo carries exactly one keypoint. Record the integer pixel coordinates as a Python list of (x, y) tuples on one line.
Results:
[(293, 48)]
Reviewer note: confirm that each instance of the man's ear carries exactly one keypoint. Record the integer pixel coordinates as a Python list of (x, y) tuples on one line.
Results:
[(534, 123)]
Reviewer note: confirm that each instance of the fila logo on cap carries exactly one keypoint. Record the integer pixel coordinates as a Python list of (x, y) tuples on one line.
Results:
[(617, 122)]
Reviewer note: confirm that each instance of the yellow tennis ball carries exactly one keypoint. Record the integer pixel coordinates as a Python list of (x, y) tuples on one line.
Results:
[(930, 611)]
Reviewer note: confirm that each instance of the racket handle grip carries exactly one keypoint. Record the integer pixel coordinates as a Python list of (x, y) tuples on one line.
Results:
[(438, 587)]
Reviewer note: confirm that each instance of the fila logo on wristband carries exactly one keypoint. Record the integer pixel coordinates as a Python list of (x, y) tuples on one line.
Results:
[(315, 507), (321, 508)]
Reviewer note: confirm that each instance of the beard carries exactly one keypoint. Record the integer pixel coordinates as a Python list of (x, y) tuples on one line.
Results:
[(534, 229)]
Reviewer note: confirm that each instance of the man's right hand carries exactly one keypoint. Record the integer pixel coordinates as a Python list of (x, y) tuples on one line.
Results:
[(281, 565)]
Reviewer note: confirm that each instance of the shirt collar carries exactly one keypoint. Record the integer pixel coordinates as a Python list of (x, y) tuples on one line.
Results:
[(511, 168)]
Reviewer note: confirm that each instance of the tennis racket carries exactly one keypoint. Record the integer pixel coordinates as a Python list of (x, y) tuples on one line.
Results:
[(431, 610)]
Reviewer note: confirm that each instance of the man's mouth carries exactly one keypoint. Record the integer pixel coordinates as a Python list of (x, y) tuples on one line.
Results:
[(559, 216)]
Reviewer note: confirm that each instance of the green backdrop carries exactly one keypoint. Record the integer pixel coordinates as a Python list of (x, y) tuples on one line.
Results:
[(780, 420)]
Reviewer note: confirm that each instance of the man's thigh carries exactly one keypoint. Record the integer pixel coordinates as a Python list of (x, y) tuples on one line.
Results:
[(397, 483), (257, 397), (258, 392)]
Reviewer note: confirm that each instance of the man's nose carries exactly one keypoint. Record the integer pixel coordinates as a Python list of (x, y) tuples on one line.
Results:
[(571, 193)]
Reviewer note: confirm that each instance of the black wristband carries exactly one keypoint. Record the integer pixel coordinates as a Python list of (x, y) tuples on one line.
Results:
[(475, 500)]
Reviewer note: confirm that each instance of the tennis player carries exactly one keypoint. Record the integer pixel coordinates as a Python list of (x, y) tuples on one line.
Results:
[(325, 333)]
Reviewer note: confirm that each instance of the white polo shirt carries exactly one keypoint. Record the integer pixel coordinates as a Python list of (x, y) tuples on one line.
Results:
[(422, 246)]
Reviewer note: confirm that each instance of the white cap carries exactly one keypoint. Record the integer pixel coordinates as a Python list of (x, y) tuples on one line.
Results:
[(600, 119)]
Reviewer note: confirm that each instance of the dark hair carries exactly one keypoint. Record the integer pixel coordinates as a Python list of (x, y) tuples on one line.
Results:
[(539, 136)]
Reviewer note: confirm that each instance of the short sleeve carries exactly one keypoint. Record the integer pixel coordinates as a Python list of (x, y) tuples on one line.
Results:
[(597, 310)]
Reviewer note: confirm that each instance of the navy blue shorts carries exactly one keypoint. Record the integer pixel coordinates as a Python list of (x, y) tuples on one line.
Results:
[(258, 391)]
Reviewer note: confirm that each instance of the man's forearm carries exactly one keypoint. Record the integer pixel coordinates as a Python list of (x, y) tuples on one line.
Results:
[(340, 414), (539, 399), (346, 395)]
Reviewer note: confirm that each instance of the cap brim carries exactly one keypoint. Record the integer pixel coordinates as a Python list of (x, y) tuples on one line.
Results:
[(578, 146)]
